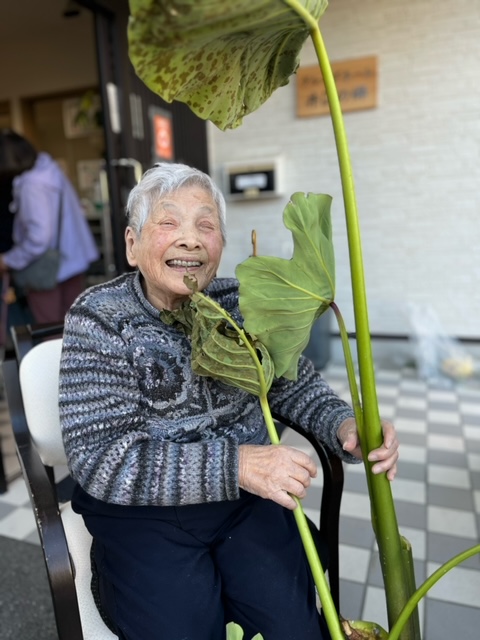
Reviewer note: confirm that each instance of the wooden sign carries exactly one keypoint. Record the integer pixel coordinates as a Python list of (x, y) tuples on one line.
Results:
[(356, 82)]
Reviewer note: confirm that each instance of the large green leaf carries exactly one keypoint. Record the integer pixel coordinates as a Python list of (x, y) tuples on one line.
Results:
[(220, 352), (281, 299), (223, 58)]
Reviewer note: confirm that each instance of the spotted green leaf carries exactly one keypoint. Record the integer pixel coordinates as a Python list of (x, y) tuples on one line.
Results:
[(281, 299), (223, 59), (219, 351)]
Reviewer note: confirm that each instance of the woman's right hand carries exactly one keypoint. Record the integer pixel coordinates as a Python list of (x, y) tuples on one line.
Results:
[(275, 471)]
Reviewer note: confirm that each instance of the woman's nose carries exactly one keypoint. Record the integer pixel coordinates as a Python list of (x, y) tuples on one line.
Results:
[(188, 237)]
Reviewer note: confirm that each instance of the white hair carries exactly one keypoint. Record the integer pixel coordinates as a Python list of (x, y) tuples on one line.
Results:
[(164, 179)]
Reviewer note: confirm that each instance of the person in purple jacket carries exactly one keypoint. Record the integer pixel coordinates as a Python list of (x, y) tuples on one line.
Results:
[(48, 214)]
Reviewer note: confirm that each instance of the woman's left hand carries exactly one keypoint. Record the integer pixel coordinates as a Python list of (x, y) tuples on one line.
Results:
[(385, 457)]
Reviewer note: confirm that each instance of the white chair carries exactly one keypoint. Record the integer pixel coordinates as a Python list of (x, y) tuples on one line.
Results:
[(32, 394)]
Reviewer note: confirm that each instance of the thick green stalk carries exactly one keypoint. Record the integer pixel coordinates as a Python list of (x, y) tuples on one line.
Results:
[(383, 511), (406, 547), (384, 518), (414, 619)]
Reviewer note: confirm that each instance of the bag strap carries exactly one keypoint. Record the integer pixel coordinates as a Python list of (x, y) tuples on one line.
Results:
[(60, 215), (4, 309)]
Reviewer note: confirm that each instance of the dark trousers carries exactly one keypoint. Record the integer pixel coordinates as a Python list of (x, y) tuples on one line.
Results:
[(182, 573), (51, 306)]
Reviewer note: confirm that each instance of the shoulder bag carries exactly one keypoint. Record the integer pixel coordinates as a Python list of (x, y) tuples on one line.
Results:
[(41, 274)]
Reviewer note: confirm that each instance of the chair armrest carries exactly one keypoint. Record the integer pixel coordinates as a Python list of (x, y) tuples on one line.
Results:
[(26, 336), (333, 479), (45, 507)]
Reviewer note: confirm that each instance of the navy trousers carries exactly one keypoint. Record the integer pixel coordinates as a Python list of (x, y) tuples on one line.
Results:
[(183, 573)]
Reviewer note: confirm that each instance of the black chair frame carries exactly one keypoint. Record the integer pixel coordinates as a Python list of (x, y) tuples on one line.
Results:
[(41, 487)]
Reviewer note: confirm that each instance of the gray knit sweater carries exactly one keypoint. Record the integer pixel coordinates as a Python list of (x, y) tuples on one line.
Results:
[(140, 428)]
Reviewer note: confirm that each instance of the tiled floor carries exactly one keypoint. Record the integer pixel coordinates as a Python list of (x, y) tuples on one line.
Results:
[(437, 497)]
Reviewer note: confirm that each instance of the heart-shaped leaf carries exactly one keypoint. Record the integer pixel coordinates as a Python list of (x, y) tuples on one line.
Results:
[(224, 59), (281, 299)]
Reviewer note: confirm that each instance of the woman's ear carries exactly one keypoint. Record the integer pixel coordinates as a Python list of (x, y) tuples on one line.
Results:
[(130, 242)]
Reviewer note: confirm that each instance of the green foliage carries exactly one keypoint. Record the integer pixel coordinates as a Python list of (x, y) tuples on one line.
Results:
[(225, 353), (235, 632), (281, 299), (224, 59), (361, 630)]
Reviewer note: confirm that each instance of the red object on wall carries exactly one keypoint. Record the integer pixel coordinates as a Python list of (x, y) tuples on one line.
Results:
[(162, 135)]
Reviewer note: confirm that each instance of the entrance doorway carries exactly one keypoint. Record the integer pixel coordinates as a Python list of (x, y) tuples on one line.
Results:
[(53, 59), (131, 113)]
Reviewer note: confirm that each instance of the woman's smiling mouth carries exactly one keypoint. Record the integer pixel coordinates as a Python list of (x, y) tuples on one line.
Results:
[(186, 264)]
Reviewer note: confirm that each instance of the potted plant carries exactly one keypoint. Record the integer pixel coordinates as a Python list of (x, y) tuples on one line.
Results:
[(224, 60)]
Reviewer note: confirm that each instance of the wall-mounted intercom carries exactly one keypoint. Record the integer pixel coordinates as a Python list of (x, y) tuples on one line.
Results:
[(248, 180)]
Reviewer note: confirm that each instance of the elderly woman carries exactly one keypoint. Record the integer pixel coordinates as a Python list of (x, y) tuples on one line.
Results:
[(189, 506)]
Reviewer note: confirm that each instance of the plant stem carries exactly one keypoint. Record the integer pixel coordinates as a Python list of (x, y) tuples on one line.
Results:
[(352, 382), (383, 511), (414, 620), (331, 615)]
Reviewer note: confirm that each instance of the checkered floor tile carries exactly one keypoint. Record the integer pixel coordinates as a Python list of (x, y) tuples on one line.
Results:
[(437, 498)]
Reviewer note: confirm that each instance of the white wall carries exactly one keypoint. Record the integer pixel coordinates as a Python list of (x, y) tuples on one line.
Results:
[(415, 160)]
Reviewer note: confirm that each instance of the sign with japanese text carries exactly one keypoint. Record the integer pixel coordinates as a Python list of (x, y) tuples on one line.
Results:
[(356, 82), (162, 132)]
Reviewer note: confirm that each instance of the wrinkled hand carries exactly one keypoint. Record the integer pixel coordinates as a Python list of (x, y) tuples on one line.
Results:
[(275, 471), (385, 456)]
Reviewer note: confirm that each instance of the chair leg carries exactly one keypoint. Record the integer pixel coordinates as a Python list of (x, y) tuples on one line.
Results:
[(3, 478)]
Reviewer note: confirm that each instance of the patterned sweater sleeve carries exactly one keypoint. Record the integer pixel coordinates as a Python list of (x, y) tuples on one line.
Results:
[(312, 404), (115, 449)]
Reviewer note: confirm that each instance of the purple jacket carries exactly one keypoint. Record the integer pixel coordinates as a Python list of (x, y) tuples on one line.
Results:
[(37, 195)]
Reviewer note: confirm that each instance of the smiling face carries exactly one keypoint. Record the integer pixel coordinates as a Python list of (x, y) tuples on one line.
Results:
[(182, 236)]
